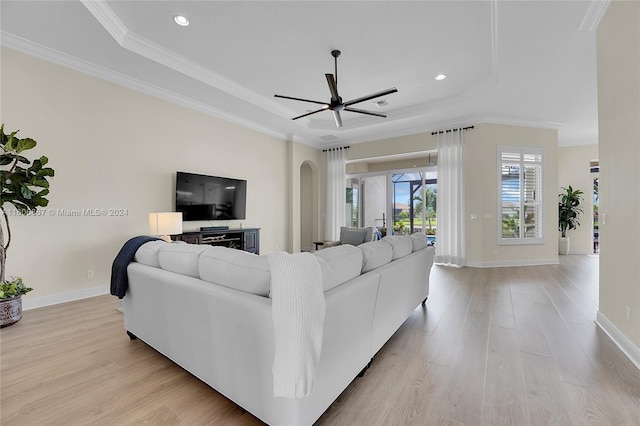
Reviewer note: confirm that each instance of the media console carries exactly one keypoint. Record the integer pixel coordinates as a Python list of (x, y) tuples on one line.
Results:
[(247, 239)]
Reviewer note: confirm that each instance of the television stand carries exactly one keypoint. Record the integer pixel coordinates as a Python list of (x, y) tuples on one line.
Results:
[(247, 239)]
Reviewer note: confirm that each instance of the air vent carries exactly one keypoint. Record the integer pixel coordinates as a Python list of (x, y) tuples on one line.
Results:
[(329, 138), (381, 103)]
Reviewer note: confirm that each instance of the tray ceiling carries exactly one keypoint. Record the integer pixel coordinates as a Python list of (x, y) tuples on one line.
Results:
[(525, 63)]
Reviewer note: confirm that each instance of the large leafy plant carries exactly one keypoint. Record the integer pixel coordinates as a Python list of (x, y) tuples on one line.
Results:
[(569, 210), (24, 185)]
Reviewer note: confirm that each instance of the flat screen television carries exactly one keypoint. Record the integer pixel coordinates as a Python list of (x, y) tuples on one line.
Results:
[(201, 197)]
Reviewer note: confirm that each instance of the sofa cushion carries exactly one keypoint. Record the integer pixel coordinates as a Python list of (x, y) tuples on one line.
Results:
[(236, 269), (149, 253), (401, 244), (419, 241), (375, 254), (354, 237), (369, 234), (181, 258), (339, 264)]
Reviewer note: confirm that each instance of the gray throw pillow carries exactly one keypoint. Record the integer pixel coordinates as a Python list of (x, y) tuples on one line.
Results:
[(354, 237)]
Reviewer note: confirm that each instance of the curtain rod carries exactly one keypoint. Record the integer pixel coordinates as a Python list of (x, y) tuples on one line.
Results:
[(451, 130), (335, 149)]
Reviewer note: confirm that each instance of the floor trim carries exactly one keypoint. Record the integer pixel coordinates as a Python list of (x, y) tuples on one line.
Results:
[(626, 346), (55, 299)]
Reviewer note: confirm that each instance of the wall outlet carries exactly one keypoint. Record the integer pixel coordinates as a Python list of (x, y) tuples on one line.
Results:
[(627, 313), (90, 273)]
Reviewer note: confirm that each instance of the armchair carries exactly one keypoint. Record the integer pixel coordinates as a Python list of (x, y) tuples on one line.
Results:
[(354, 236)]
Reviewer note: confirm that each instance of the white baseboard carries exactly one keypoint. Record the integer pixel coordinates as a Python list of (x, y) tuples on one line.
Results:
[(55, 299), (507, 263), (626, 346)]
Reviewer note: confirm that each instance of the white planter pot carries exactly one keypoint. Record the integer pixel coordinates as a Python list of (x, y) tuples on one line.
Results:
[(563, 245)]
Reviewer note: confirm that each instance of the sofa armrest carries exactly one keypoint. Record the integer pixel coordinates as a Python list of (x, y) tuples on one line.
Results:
[(331, 244)]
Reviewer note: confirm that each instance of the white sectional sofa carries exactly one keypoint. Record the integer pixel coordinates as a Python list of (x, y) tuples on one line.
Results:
[(208, 309)]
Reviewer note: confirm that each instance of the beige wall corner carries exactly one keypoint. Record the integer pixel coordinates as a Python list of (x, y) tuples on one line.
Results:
[(618, 50)]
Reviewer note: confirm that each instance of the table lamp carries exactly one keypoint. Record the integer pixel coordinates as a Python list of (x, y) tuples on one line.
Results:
[(165, 224)]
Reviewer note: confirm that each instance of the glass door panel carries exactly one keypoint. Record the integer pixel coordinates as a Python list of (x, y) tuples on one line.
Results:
[(352, 214), (374, 202)]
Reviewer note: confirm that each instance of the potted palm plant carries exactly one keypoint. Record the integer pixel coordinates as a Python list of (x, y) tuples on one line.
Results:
[(569, 211), (24, 185)]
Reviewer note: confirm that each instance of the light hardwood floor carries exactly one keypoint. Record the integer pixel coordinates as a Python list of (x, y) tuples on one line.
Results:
[(493, 346)]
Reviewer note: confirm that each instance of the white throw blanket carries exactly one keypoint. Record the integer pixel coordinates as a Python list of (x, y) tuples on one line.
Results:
[(298, 310)]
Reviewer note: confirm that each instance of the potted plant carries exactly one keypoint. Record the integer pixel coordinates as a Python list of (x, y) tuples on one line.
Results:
[(569, 211), (24, 186), (11, 292)]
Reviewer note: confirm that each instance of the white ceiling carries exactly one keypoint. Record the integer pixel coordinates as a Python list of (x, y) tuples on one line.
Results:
[(527, 63)]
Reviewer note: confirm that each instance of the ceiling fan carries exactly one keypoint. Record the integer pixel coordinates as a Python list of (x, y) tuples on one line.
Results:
[(335, 104)]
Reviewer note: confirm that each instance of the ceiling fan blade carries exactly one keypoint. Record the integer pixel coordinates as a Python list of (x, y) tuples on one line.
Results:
[(336, 116), (299, 99), (333, 87), (362, 111), (325, 107), (372, 96)]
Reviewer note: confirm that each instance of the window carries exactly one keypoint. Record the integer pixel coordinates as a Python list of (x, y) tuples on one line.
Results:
[(520, 195)]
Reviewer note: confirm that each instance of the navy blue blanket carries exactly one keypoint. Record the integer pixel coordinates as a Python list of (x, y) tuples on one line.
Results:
[(119, 279)]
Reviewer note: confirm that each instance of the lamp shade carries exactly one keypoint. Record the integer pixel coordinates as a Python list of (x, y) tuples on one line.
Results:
[(165, 223)]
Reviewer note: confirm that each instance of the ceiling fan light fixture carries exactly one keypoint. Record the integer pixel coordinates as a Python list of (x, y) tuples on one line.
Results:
[(440, 77), (181, 20), (336, 104)]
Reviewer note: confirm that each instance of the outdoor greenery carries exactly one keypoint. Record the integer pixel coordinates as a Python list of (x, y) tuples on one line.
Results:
[(430, 200), (24, 185), (13, 287), (511, 225), (569, 210)]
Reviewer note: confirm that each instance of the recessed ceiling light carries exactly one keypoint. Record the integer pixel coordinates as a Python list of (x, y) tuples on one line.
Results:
[(181, 20), (440, 77), (382, 103)]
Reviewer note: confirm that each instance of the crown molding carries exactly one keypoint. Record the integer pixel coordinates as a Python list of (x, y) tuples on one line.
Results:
[(509, 121), (494, 76), (41, 52), (107, 18), (595, 12), (150, 50)]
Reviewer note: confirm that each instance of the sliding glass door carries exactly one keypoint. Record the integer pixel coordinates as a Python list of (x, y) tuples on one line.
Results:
[(395, 202)]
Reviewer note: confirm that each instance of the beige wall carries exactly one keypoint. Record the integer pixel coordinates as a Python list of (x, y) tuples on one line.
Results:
[(115, 148), (481, 179), (574, 169), (384, 147), (378, 166), (618, 49)]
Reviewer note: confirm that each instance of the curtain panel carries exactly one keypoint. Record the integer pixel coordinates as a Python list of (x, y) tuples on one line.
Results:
[(451, 213), (335, 204)]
